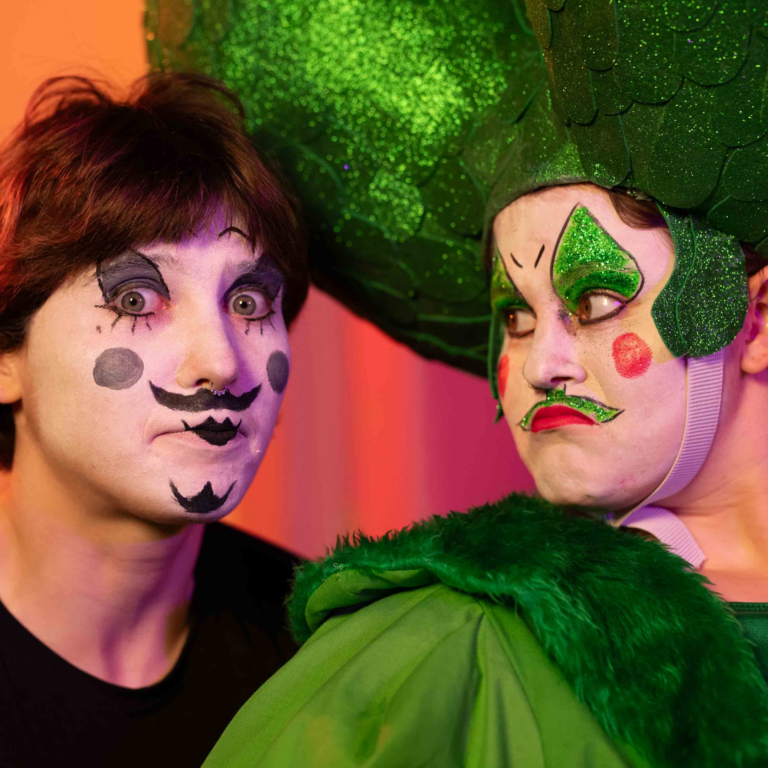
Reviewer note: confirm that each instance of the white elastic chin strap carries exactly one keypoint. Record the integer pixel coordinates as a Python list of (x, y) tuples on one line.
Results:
[(704, 393)]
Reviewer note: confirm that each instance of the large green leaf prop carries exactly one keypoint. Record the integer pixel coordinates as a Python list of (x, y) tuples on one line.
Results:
[(405, 127), (388, 118), (702, 307)]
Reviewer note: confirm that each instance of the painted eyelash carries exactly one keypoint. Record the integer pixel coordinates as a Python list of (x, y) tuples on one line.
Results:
[(264, 318), (120, 314)]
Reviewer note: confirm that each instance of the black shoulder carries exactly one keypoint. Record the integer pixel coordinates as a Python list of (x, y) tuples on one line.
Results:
[(259, 567)]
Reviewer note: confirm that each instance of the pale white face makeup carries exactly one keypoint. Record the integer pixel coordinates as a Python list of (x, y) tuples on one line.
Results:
[(607, 350), (116, 372)]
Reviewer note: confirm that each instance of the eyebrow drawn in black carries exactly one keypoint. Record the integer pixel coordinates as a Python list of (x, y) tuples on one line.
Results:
[(517, 263), (131, 265), (233, 229), (538, 258), (265, 274)]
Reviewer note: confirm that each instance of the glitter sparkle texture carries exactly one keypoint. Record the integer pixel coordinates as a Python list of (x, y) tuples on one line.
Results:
[(589, 259), (600, 412)]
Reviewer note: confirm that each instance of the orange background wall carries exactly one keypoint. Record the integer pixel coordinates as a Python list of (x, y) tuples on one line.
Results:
[(370, 435)]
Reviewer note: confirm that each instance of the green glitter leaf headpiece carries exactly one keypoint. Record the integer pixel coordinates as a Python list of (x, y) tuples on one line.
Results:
[(405, 127)]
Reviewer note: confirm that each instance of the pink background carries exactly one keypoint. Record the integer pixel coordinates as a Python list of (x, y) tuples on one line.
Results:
[(370, 436)]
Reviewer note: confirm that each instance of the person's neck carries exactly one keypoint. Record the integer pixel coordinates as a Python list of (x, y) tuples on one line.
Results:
[(726, 506), (108, 593)]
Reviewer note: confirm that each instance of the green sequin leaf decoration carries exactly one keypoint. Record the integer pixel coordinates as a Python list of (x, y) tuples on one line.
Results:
[(589, 259), (703, 305)]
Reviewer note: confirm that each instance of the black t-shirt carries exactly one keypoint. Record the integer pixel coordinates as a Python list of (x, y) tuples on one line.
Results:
[(53, 714)]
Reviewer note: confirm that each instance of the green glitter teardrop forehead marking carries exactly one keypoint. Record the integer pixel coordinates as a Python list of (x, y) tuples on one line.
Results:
[(587, 259), (598, 411)]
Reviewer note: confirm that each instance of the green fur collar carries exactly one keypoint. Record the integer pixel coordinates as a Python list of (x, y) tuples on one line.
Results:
[(656, 656)]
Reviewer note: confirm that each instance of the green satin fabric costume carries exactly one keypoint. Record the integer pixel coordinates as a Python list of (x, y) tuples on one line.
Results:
[(509, 636)]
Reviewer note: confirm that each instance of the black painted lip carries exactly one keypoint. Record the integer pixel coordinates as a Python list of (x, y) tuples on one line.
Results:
[(214, 432)]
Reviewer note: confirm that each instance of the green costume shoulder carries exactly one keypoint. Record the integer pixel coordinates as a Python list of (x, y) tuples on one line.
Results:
[(511, 635)]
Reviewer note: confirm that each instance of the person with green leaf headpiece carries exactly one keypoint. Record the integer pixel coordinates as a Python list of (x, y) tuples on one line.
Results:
[(571, 195)]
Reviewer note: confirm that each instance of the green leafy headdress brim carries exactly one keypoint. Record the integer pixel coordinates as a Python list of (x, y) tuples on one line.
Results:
[(405, 127)]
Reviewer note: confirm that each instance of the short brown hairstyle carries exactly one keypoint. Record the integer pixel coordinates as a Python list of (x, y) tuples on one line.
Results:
[(87, 176)]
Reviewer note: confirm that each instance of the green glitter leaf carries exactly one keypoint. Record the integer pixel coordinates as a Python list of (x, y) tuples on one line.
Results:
[(603, 150), (599, 36), (747, 222), (745, 174), (647, 68), (714, 54), (598, 411), (686, 158), (703, 305), (453, 198), (736, 107), (570, 78), (539, 15), (589, 259), (686, 15), (610, 99)]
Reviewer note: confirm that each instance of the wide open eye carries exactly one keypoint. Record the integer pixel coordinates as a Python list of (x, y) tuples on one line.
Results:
[(520, 322), (598, 306), (252, 304), (137, 300)]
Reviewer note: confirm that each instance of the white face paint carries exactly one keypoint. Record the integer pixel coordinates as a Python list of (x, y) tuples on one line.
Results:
[(618, 359), (117, 360)]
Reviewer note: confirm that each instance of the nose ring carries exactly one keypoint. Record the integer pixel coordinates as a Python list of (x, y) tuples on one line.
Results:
[(219, 392)]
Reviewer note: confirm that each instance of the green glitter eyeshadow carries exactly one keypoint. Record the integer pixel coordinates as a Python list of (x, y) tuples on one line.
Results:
[(504, 293), (589, 259), (598, 411)]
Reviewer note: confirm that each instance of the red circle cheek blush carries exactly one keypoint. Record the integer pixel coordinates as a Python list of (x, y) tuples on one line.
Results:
[(631, 355), (503, 374)]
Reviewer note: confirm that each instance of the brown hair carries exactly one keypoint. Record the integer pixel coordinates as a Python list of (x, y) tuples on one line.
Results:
[(86, 176)]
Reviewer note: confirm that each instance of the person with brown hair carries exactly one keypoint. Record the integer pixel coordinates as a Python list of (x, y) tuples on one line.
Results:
[(150, 265)]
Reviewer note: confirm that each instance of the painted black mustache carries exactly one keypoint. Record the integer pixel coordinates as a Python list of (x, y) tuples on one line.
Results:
[(204, 400), (214, 432), (205, 501)]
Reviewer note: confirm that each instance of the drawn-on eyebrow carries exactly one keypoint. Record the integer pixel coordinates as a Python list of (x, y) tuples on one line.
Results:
[(538, 258), (263, 273), (233, 229), (517, 263), (131, 265)]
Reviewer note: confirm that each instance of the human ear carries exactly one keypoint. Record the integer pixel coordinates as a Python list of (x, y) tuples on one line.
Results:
[(10, 379), (754, 358)]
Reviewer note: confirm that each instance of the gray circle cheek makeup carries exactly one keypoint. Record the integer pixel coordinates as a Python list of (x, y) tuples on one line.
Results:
[(277, 371), (117, 368)]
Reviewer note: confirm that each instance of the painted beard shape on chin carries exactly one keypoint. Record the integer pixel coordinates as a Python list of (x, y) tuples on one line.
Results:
[(203, 502)]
